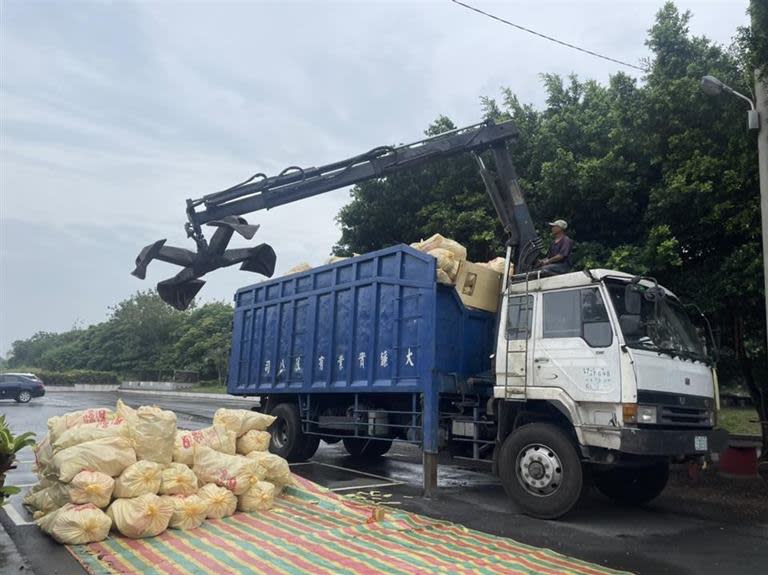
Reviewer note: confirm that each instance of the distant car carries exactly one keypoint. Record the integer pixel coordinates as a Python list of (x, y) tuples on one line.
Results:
[(20, 386)]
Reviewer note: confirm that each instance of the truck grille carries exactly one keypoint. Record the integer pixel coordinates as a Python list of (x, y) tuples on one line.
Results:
[(678, 410), (683, 416)]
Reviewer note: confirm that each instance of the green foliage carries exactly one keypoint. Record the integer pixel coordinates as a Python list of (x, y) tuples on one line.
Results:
[(654, 178), (10, 445), (142, 334), (202, 341)]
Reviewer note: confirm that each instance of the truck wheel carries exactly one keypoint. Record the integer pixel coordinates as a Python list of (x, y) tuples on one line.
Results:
[(288, 440), (540, 470), (633, 485), (23, 397), (361, 447)]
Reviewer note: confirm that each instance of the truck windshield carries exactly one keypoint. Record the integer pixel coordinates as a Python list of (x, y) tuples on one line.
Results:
[(663, 326)]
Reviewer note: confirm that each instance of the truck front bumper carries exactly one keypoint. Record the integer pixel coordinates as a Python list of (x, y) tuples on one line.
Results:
[(645, 441)]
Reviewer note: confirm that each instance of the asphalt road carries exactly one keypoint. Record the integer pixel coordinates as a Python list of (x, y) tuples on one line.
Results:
[(710, 525)]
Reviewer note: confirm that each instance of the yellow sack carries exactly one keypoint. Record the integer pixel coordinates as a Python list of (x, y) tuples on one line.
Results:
[(235, 472), (76, 524), (446, 261), (91, 487), (497, 265), (49, 498), (178, 479), (253, 441), (44, 458), (153, 434), (241, 421), (301, 267), (60, 423), (442, 278), (40, 485), (126, 412), (143, 516), (140, 478), (216, 437), (221, 502), (90, 431), (189, 511), (110, 455), (439, 241), (260, 497), (276, 468)]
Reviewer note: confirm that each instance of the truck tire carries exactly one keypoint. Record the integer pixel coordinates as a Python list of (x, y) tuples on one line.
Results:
[(366, 448), (633, 485), (288, 440), (541, 470)]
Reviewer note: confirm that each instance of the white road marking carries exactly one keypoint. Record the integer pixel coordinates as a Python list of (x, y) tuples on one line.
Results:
[(361, 487), (352, 470), (15, 516)]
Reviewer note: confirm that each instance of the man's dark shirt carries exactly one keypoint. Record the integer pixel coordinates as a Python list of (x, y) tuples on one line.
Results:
[(562, 248)]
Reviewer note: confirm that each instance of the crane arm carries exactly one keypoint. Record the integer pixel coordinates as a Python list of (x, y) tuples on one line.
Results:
[(260, 192)]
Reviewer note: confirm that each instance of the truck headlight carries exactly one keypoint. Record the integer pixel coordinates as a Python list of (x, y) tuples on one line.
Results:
[(646, 414)]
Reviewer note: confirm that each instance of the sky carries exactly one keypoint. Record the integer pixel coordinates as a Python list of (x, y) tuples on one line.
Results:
[(112, 114)]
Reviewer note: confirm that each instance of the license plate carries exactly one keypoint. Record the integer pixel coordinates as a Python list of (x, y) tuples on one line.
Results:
[(700, 442)]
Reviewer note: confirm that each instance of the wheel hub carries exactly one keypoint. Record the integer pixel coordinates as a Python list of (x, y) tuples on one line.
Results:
[(280, 433), (539, 469)]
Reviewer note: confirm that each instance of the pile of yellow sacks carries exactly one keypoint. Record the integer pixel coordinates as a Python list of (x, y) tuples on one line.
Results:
[(132, 471), (449, 255)]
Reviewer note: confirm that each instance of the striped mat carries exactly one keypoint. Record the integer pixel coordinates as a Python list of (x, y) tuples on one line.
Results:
[(312, 530)]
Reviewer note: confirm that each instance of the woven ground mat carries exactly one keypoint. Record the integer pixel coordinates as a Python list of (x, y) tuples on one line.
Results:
[(312, 530)]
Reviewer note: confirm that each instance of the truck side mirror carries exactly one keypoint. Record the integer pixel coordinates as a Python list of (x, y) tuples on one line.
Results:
[(632, 300), (631, 325)]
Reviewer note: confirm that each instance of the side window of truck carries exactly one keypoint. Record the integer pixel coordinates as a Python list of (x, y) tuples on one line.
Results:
[(577, 313), (519, 317)]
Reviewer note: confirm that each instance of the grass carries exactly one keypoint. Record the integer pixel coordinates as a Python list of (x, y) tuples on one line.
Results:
[(740, 420), (207, 388)]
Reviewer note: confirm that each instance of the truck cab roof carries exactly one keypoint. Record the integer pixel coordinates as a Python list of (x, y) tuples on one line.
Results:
[(572, 279)]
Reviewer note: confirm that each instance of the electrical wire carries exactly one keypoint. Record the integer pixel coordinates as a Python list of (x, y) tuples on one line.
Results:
[(550, 38)]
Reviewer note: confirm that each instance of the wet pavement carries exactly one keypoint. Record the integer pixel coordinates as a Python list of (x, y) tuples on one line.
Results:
[(708, 526)]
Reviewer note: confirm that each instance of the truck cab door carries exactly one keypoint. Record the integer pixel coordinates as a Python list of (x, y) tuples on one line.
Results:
[(576, 349)]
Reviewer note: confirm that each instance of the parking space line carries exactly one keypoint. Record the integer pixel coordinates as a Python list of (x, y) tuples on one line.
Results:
[(15, 516), (352, 470), (360, 487)]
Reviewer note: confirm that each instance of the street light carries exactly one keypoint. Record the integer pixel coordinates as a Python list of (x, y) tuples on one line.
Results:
[(757, 108), (714, 87)]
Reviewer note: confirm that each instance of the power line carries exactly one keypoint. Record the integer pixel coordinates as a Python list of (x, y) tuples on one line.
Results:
[(550, 38)]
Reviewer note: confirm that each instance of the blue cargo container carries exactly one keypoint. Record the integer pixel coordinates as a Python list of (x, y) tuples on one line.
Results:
[(373, 324)]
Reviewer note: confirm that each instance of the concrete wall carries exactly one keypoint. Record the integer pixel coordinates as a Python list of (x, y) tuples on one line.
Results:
[(82, 387), (156, 385)]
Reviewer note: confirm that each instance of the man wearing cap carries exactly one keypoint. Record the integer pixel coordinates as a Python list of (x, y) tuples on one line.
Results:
[(558, 260)]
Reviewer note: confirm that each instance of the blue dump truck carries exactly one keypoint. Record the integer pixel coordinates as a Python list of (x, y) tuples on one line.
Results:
[(595, 373), (367, 350)]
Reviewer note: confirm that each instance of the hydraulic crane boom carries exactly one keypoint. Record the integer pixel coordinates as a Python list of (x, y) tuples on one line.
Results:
[(223, 209)]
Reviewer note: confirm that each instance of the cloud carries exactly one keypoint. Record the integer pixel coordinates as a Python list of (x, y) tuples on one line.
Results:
[(114, 113)]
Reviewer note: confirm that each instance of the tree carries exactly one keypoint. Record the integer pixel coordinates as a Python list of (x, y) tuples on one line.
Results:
[(654, 178), (203, 340)]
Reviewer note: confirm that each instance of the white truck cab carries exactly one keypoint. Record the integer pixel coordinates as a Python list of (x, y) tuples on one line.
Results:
[(614, 365)]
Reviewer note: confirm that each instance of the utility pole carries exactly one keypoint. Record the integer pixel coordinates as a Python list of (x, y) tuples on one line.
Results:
[(761, 105)]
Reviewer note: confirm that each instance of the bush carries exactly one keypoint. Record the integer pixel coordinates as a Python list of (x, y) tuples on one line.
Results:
[(73, 376)]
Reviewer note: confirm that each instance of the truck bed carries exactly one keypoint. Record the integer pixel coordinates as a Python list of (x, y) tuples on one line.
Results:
[(378, 322)]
